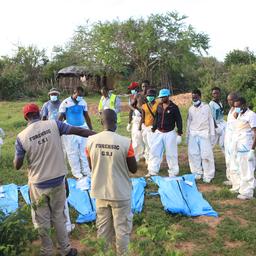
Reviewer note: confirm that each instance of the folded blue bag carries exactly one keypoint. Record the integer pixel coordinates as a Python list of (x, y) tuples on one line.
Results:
[(8, 198), (180, 195), (82, 202), (138, 190)]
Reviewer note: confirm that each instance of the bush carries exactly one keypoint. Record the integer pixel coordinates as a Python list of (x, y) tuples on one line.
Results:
[(16, 232)]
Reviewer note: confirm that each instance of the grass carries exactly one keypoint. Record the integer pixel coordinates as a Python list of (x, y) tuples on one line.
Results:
[(154, 231)]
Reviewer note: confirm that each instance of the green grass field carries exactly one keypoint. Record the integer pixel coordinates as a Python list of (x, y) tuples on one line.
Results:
[(154, 232)]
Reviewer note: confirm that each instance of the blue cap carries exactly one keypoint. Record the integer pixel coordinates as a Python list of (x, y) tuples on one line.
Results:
[(164, 93)]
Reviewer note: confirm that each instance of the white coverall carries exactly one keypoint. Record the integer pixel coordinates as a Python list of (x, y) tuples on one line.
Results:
[(244, 180), (217, 113), (200, 136), (137, 141), (2, 134), (159, 142), (147, 136), (231, 161), (74, 144)]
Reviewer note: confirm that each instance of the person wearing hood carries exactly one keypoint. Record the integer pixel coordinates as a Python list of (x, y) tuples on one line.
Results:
[(200, 138), (50, 108)]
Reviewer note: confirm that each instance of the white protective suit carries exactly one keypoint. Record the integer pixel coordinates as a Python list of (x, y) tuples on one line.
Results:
[(200, 136), (243, 180), (159, 142), (217, 113), (75, 148), (230, 157), (137, 140), (147, 135)]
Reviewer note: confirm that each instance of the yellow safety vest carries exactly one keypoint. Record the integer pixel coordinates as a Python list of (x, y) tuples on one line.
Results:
[(112, 101)]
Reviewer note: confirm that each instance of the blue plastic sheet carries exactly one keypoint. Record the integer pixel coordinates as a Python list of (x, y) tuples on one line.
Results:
[(138, 190), (180, 195), (82, 202), (8, 198), (24, 192)]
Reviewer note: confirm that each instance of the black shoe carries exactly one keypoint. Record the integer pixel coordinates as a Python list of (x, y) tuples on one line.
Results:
[(72, 252)]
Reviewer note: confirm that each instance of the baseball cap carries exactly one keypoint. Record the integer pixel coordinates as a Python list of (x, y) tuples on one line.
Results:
[(53, 90), (133, 85), (30, 108), (164, 93)]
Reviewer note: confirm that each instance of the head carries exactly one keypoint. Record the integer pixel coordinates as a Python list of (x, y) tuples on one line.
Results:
[(78, 93), (216, 93), (145, 86), (109, 119), (151, 95), (164, 95), (134, 87), (240, 105), (31, 111), (104, 91), (54, 94), (231, 98), (196, 97)]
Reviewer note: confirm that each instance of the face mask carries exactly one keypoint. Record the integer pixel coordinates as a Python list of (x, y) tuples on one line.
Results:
[(79, 98), (150, 98), (238, 110), (53, 97), (196, 103), (133, 92)]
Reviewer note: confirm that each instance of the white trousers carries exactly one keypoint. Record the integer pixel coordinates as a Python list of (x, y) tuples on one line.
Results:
[(242, 173), (220, 137), (75, 149), (137, 140), (200, 155), (67, 216), (161, 141), (147, 140)]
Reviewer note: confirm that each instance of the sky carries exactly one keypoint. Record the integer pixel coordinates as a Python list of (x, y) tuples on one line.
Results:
[(47, 23)]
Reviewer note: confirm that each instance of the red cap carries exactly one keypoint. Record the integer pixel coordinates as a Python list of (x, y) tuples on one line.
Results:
[(133, 85), (30, 108)]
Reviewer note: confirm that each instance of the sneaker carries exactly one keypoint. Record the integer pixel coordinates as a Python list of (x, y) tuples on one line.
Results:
[(207, 180), (243, 197), (198, 176), (233, 191), (227, 183), (72, 252)]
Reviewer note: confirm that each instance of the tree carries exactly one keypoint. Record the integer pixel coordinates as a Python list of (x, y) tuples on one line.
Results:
[(238, 57)]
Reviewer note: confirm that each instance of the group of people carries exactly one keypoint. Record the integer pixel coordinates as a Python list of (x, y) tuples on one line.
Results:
[(156, 128)]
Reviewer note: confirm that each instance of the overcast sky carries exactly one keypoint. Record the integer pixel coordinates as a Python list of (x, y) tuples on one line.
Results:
[(45, 23)]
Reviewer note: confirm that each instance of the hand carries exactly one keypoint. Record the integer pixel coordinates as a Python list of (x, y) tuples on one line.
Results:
[(128, 127), (251, 155), (218, 130), (213, 140), (179, 139)]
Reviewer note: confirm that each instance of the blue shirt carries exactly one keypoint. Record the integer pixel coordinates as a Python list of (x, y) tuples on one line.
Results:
[(50, 110), (217, 111), (74, 111)]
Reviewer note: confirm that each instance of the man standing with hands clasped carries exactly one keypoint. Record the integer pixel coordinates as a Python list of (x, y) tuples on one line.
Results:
[(165, 137), (41, 142), (111, 157)]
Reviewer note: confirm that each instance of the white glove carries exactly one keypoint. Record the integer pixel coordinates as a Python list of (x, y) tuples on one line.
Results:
[(218, 130), (179, 139), (128, 127), (136, 112), (251, 155), (213, 140)]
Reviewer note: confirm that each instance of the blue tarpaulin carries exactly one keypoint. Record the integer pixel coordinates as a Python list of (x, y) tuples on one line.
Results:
[(24, 192), (138, 190), (8, 198), (180, 195)]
